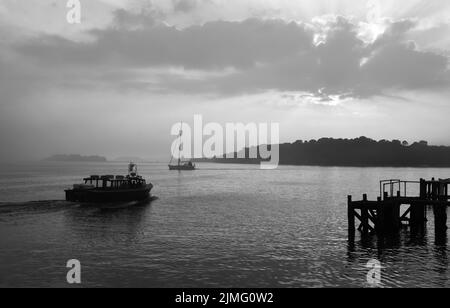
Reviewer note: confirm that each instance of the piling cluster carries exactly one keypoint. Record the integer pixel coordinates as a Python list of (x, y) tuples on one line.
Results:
[(384, 215)]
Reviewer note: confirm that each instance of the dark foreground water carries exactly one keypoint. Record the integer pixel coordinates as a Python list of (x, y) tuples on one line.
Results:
[(220, 226)]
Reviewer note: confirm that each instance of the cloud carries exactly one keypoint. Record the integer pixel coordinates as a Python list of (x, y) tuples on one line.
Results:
[(327, 57), (214, 45), (433, 37), (402, 65), (343, 65), (185, 6), (137, 65)]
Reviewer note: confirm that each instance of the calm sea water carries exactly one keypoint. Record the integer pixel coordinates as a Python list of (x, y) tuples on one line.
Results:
[(220, 226)]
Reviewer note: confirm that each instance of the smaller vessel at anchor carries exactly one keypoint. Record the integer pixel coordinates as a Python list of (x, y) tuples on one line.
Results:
[(110, 188), (181, 165), (186, 166)]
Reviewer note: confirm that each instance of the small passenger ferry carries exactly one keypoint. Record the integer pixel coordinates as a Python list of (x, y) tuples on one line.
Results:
[(110, 188)]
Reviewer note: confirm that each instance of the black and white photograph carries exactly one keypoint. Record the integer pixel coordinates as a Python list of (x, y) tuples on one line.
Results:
[(224, 149)]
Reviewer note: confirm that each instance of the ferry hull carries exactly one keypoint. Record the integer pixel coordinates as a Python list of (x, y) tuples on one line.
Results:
[(105, 195)]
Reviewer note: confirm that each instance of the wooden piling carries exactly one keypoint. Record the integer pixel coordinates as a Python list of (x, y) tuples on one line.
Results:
[(440, 218), (423, 189), (384, 215), (391, 220), (417, 216), (351, 216), (365, 220), (396, 219), (380, 225)]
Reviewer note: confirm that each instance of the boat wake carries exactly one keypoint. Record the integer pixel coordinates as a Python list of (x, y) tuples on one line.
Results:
[(119, 205), (55, 205), (42, 206), (34, 203)]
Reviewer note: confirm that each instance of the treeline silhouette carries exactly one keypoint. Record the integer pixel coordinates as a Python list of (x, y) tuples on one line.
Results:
[(361, 151)]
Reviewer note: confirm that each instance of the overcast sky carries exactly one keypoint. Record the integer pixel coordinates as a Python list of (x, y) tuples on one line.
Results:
[(116, 83)]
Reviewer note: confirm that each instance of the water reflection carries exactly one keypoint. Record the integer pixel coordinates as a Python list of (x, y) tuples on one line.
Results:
[(124, 222), (212, 228), (414, 248)]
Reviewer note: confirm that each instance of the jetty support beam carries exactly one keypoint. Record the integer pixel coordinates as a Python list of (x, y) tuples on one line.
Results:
[(351, 217)]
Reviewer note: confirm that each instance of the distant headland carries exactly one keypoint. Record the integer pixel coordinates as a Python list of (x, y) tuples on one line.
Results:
[(76, 158), (128, 159), (359, 152)]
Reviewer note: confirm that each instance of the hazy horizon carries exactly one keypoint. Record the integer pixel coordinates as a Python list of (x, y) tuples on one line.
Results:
[(137, 158)]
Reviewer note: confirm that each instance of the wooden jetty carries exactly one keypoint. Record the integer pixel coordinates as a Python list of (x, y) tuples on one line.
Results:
[(384, 215)]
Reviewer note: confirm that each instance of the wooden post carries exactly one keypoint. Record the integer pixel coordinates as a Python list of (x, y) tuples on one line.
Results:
[(389, 216), (417, 216), (351, 218), (380, 218), (423, 189), (365, 220), (440, 218), (365, 216), (434, 190), (396, 216), (413, 215)]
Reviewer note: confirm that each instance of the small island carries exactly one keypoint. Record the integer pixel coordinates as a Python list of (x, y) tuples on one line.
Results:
[(76, 158), (128, 159)]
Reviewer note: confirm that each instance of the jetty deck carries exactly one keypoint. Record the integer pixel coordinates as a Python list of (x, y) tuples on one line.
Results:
[(385, 215)]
